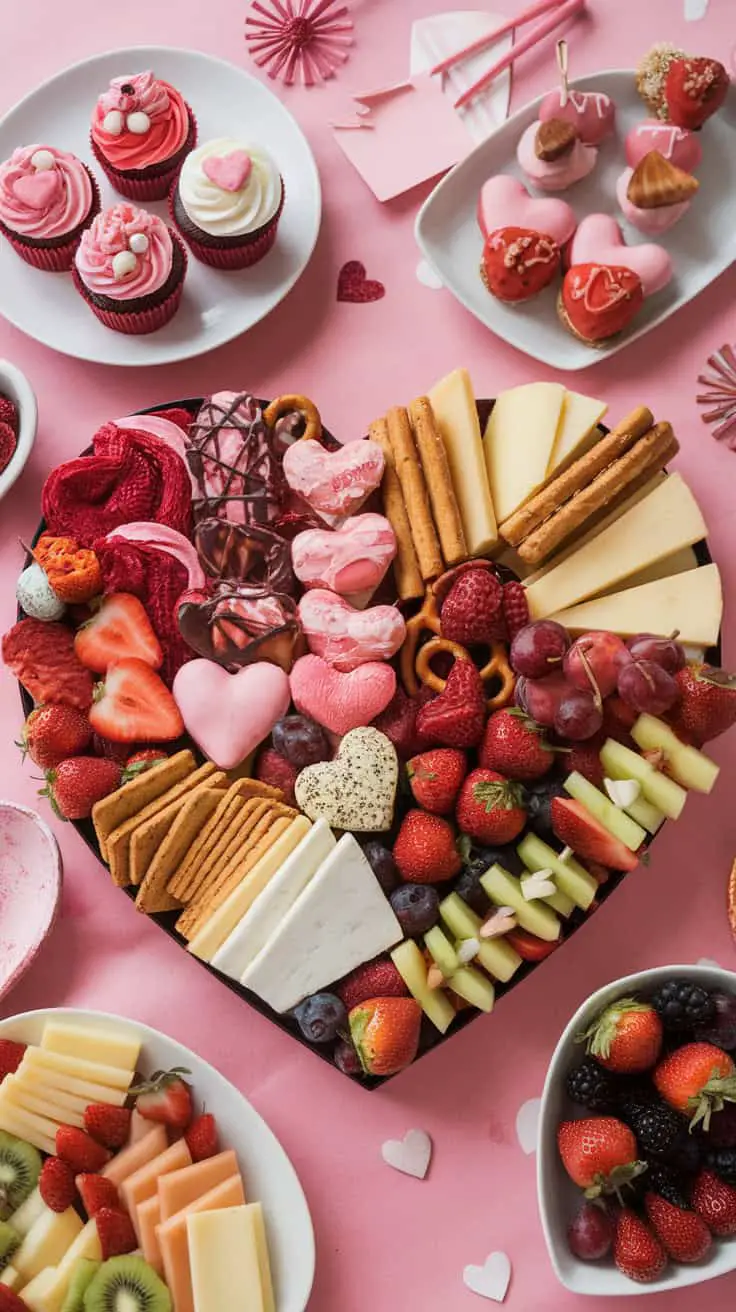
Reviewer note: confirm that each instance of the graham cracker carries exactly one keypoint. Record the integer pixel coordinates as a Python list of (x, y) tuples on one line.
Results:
[(191, 815), (148, 836), (118, 842), (197, 914), (233, 809), (240, 832), (112, 811)]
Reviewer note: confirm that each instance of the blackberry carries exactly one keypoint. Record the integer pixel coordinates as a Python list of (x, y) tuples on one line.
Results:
[(723, 1162), (722, 1132), (656, 1126), (684, 1155), (539, 797), (667, 1184), (591, 1086), (682, 1005)]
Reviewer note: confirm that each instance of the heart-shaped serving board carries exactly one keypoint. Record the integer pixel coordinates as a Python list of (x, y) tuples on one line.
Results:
[(166, 920)]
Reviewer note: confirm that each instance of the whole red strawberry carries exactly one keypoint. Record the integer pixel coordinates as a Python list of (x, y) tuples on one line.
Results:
[(637, 1252), (56, 1184), (695, 88), (165, 1098), (515, 745), (79, 1150), (515, 608), (202, 1137), (599, 1154), (697, 1079), (96, 1191), (425, 850), (115, 1232), (456, 718), (385, 1032), (626, 1037), (435, 778), (376, 979), (681, 1232), (715, 1203), (108, 1125), (76, 784), (707, 705), (490, 808), (472, 612), (11, 1056), (52, 733)]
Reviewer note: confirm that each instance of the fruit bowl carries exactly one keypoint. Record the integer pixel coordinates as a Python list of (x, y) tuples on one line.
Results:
[(17, 388), (558, 1196)]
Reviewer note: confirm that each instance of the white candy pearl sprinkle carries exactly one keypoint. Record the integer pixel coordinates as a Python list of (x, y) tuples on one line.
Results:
[(42, 160), (35, 594), (138, 122), (113, 122), (123, 263), (138, 243)]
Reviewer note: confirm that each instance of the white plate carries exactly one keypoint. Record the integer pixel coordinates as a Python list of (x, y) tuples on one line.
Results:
[(559, 1198), (702, 244), (216, 306), (17, 388), (268, 1174), (30, 889)]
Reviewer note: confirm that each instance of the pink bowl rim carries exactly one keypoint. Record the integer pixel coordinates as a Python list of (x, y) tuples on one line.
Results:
[(45, 928)]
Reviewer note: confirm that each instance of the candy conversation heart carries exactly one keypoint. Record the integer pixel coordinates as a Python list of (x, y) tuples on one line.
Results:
[(357, 790), (599, 240), (334, 483), (228, 715), (351, 561), (346, 637), (341, 701), (506, 202)]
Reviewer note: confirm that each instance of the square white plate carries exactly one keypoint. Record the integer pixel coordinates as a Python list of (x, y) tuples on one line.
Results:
[(702, 244)]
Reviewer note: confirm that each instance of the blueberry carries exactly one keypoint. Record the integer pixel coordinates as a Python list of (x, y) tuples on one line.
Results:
[(300, 740), (383, 865), (321, 1017), (416, 907)]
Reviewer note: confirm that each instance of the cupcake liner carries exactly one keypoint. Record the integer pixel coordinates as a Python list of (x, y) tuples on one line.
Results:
[(242, 254), (153, 183), (54, 255), (146, 318)]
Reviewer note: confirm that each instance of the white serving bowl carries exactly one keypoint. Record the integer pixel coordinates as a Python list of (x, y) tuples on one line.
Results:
[(30, 889), (559, 1198), (16, 386)]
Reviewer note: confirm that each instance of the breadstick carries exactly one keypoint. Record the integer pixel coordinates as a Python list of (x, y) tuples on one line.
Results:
[(416, 498), (578, 476), (409, 582), (438, 478)]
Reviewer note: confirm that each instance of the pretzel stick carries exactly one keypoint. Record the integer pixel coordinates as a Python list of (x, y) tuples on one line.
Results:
[(416, 498), (437, 474), (406, 570)]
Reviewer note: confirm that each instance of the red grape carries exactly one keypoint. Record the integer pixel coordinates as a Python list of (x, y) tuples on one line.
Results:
[(647, 688), (663, 651), (538, 649), (541, 697), (590, 1235), (603, 654), (579, 715)]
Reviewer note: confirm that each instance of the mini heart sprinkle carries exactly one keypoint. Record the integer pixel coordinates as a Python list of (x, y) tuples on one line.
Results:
[(355, 287), (410, 1155), (229, 172), (492, 1279)]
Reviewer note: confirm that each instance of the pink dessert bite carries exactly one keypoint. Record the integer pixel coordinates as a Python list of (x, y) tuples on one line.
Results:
[(352, 560), (678, 145), (599, 241), (346, 638), (504, 202), (552, 155), (591, 113), (334, 483), (656, 194)]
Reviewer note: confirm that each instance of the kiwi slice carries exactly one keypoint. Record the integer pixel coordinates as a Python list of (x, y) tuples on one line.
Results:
[(127, 1284), (82, 1276), (9, 1243), (20, 1167)]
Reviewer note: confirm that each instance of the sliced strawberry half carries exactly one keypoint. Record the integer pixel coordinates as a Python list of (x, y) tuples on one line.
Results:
[(134, 705), (118, 630), (578, 829)]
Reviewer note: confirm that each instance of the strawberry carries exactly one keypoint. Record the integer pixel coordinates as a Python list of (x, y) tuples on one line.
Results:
[(274, 769), (515, 744), (694, 89), (376, 979), (140, 761), (599, 1154), (10, 1302), (52, 733), (108, 1125), (528, 946), (697, 1079), (707, 704), (424, 850), (8, 443), (118, 630), (626, 1037), (490, 808), (472, 612), (399, 721), (56, 1184), (435, 778), (79, 1150), (456, 717), (165, 1098), (41, 655), (715, 1203), (577, 828), (77, 783), (586, 759), (133, 704), (11, 1056), (637, 1251), (202, 1138), (96, 1191), (515, 608), (115, 1232), (681, 1232), (385, 1032)]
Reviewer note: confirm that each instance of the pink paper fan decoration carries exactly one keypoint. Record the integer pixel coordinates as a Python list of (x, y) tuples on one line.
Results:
[(303, 40), (720, 396)]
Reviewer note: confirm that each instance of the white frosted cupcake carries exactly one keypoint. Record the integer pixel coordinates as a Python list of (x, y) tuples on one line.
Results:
[(227, 203)]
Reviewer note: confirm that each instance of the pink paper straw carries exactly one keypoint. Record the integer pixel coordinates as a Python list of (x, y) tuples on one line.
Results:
[(538, 34), (484, 41)]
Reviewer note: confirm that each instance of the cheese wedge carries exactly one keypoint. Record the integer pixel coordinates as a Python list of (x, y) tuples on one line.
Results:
[(577, 430), (178, 1190), (174, 1244), (664, 522), (110, 1046), (126, 1163), (519, 441), (453, 404), (342, 919), (690, 603), (47, 1241), (678, 563), (223, 921), (270, 907), (225, 1261), (143, 1183)]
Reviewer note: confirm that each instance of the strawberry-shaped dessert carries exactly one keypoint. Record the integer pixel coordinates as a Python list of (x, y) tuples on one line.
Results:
[(519, 263), (598, 301)]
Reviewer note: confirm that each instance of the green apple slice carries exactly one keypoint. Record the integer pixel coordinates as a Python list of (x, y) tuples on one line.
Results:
[(412, 968), (660, 791), (691, 768), (505, 891), (442, 952), (645, 815), (626, 830), (572, 878), (474, 987), (494, 954)]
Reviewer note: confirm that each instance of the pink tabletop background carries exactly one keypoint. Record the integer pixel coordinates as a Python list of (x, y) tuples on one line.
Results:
[(384, 1241)]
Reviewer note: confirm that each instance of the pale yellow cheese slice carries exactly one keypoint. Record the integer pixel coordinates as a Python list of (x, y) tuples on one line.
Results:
[(689, 603), (518, 441), (108, 1045), (677, 563), (453, 403), (225, 1261), (577, 430), (91, 1072), (663, 523)]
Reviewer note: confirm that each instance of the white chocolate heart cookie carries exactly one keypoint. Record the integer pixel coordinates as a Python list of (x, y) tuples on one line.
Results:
[(357, 790)]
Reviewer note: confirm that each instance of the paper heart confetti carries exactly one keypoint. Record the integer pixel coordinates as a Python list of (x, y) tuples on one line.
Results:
[(505, 202), (427, 276), (410, 1155), (38, 190), (228, 715), (599, 240), (358, 789), (341, 701), (354, 286), (229, 172), (345, 637), (492, 1279), (334, 483), (527, 1125)]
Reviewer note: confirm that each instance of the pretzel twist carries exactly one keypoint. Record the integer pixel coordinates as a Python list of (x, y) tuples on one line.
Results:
[(416, 661), (284, 405)]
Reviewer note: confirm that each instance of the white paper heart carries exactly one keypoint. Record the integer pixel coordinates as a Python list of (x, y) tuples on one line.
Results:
[(527, 1125), (708, 961), (410, 1155), (427, 276), (491, 1280)]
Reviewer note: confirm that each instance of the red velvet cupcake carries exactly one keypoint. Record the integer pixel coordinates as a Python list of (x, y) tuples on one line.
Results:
[(142, 130), (518, 263), (598, 301), (47, 199), (130, 270), (227, 203)]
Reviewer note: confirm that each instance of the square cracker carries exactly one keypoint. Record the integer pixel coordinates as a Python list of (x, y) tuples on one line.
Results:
[(240, 830), (195, 809), (234, 804), (118, 842), (148, 836), (114, 810), (243, 861)]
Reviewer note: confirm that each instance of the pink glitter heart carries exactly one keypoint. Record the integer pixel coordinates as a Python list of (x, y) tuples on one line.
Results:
[(230, 172), (38, 190)]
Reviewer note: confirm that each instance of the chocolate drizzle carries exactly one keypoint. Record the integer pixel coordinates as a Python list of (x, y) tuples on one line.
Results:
[(231, 457), (237, 625), (232, 553)]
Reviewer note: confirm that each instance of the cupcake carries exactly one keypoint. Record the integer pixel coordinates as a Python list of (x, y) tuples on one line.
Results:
[(141, 131), (227, 203), (598, 301), (552, 155), (518, 263), (47, 199), (130, 269), (656, 194)]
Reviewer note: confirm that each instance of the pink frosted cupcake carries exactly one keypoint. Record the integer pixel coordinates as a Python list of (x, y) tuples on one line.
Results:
[(130, 270), (141, 131), (227, 203), (47, 199)]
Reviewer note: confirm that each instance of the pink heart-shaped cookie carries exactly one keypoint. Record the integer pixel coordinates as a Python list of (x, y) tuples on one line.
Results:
[(38, 190), (339, 701), (351, 561), (599, 240), (334, 483), (505, 203), (345, 637), (229, 172), (228, 715)]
